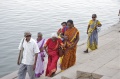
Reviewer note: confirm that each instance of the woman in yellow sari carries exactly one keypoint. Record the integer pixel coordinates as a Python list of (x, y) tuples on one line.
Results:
[(71, 37), (92, 32)]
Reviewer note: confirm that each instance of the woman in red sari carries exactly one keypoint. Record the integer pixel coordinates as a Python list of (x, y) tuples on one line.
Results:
[(51, 48)]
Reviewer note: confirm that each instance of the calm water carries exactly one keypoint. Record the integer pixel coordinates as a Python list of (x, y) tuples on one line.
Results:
[(17, 16)]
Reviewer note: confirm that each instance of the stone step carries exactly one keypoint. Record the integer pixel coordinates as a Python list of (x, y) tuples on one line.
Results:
[(70, 73), (105, 77)]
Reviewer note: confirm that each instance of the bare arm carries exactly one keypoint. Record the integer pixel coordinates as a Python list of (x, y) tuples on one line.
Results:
[(45, 47), (20, 51), (34, 66), (19, 58), (36, 55), (99, 25)]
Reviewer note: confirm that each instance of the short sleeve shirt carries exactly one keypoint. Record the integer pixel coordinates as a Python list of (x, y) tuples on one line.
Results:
[(30, 49)]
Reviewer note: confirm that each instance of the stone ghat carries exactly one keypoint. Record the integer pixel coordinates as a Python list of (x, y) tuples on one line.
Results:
[(103, 63)]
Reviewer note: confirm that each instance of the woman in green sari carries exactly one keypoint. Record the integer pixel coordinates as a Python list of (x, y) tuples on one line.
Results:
[(92, 32)]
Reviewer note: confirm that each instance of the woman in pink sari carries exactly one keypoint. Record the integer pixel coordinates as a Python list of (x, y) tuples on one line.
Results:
[(52, 48), (40, 60)]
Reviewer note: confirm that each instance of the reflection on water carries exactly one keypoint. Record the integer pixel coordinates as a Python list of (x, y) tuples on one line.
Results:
[(46, 16)]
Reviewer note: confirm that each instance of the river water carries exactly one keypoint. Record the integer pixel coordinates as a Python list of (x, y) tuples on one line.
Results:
[(17, 16)]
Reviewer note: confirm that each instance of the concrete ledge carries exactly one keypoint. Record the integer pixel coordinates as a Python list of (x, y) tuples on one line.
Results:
[(70, 73), (65, 77), (81, 74), (88, 75), (96, 76)]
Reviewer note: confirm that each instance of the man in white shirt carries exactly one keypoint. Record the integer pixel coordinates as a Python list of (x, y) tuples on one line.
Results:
[(29, 59)]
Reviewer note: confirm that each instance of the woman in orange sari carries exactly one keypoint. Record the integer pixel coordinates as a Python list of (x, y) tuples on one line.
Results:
[(52, 48), (71, 39)]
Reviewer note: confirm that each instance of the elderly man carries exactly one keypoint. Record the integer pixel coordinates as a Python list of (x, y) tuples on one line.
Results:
[(29, 58)]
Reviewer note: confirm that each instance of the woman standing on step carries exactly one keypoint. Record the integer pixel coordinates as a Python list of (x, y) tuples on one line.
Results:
[(71, 37), (92, 32)]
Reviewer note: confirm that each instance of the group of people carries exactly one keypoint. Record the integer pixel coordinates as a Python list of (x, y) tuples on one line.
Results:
[(61, 45)]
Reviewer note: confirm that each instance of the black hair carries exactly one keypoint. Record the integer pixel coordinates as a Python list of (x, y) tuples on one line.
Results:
[(64, 23), (94, 15), (70, 21)]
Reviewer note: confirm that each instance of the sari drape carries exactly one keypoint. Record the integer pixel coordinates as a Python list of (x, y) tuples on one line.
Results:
[(52, 47), (92, 42), (69, 58), (39, 70)]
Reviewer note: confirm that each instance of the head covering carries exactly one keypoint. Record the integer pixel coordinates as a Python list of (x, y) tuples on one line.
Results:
[(54, 35)]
